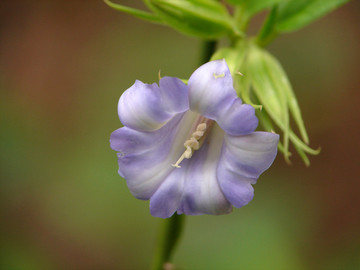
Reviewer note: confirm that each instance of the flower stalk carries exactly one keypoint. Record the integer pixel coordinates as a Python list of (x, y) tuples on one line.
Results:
[(171, 229)]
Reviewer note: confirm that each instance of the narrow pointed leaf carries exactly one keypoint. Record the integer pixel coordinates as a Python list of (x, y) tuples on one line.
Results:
[(135, 12), (206, 19), (267, 32), (295, 14), (254, 6)]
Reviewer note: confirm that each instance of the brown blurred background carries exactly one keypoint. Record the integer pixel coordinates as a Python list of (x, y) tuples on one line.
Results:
[(63, 66)]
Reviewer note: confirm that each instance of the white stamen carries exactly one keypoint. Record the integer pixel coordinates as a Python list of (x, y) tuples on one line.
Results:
[(201, 127), (192, 144), (198, 134)]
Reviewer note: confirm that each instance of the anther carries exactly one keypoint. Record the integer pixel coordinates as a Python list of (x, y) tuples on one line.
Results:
[(198, 134), (201, 127), (192, 143)]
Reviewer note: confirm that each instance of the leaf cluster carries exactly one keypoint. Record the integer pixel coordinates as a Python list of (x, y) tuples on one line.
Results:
[(212, 19)]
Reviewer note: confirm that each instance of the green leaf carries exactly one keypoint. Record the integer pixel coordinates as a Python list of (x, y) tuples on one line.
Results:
[(252, 7), (201, 18), (135, 12), (267, 32), (295, 14)]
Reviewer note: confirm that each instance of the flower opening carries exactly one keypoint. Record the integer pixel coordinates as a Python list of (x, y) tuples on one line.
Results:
[(192, 148), (196, 139)]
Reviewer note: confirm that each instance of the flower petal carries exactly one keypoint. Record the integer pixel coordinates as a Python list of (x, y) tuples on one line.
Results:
[(166, 199), (145, 158), (238, 118), (147, 107), (242, 161), (211, 93), (211, 88), (202, 193)]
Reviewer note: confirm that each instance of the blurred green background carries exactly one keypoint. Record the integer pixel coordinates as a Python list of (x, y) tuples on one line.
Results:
[(63, 66)]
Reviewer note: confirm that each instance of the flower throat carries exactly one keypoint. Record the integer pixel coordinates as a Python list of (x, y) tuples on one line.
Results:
[(196, 139)]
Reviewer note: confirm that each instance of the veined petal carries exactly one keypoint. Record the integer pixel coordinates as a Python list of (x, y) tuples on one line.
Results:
[(202, 193), (147, 107), (145, 158), (242, 161), (238, 118), (238, 191), (211, 93), (211, 89), (174, 93), (166, 199)]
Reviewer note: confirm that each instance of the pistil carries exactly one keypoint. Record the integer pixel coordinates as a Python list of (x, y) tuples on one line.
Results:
[(193, 143)]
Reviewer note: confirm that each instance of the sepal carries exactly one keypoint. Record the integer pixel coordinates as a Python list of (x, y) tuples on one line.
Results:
[(273, 90), (260, 81)]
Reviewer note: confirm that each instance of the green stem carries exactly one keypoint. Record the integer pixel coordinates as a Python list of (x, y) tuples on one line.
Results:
[(171, 231), (172, 227), (268, 32), (208, 49)]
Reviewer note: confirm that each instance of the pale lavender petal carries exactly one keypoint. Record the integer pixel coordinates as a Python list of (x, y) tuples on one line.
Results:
[(242, 161), (211, 89), (202, 193), (147, 107), (238, 190), (174, 93), (237, 119), (166, 199), (145, 158)]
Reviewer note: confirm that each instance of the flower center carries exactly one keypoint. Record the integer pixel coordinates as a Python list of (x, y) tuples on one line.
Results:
[(196, 139)]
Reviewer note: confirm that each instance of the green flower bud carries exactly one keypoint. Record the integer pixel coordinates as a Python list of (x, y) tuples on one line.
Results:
[(207, 19)]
